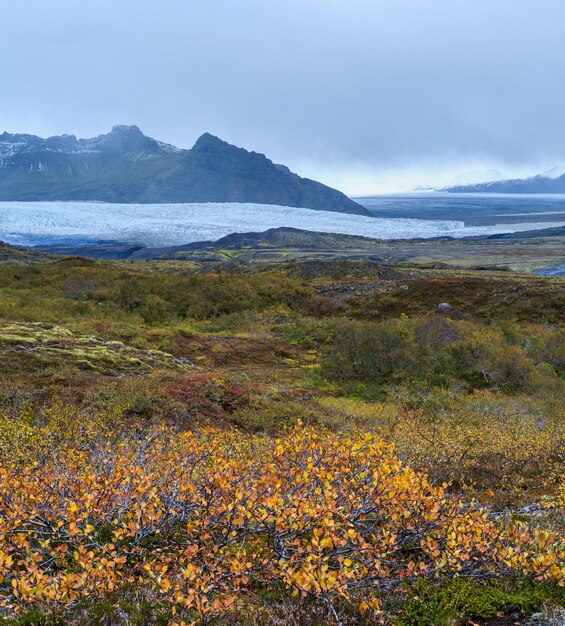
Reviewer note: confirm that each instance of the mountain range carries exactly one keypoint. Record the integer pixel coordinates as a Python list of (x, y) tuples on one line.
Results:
[(126, 166), (552, 181)]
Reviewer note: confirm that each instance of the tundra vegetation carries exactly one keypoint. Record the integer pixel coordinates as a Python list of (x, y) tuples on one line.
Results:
[(296, 442)]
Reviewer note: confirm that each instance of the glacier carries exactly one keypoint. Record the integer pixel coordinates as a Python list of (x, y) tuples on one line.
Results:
[(156, 225)]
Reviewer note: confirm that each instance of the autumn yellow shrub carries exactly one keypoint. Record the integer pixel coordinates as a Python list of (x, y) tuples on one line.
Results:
[(490, 440), (207, 519), (32, 432)]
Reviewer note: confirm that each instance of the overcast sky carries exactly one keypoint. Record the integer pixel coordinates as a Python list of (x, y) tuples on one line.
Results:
[(366, 95)]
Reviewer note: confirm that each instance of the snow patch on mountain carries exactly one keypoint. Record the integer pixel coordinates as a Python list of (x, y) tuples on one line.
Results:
[(476, 177), (554, 172)]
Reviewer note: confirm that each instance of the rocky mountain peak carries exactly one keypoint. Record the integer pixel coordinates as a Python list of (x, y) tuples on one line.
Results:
[(126, 129), (123, 139), (125, 165), (207, 141)]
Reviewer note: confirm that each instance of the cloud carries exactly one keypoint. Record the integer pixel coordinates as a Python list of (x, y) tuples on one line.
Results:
[(356, 91)]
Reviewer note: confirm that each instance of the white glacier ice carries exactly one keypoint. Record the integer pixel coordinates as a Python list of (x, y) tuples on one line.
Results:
[(154, 225)]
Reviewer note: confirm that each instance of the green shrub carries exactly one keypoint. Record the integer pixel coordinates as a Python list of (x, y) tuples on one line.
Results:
[(434, 605), (435, 352)]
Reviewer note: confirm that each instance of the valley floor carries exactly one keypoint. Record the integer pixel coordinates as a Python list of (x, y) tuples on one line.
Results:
[(281, 439)]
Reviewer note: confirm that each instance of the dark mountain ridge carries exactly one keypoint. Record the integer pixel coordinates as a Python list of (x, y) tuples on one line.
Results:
[(127, 166)]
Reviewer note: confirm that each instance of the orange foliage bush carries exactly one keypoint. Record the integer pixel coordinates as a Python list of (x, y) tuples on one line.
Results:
[(207, 519)]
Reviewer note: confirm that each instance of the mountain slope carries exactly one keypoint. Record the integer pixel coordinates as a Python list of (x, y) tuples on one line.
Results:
[(127, 166), (16, 255), (475, 177), (549, 182)]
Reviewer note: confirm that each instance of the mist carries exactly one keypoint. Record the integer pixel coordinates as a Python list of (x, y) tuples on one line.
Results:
[(366, 95)]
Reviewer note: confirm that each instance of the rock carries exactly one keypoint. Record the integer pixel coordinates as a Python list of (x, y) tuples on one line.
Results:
[(532, 509), (184, 361), (552, 618), (444, 306)]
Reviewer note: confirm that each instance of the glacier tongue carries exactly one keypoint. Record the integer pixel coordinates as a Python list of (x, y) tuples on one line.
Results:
[(153, 225)]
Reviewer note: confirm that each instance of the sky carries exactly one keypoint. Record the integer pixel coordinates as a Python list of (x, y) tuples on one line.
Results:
[(369, 96)]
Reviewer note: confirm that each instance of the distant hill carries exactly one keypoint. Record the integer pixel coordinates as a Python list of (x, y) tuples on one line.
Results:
[(552, 181), (284, 238), (288, 243), (127, 166), (555, 231), (16, 255)]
